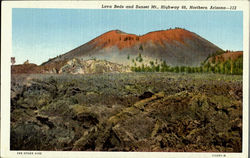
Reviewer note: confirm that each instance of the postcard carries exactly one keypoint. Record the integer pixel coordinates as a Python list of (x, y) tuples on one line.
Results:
[(125, 79)]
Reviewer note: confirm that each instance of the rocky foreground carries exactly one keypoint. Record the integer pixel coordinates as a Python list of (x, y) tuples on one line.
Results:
[(127, 112)]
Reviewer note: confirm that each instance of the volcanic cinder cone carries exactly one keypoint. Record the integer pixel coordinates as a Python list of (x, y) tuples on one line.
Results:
[(175, 46)]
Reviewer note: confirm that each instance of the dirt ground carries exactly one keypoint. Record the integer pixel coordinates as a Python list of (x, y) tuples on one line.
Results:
[(127, 112)]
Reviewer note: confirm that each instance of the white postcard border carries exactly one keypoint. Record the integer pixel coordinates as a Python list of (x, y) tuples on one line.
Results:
[(6, 51)]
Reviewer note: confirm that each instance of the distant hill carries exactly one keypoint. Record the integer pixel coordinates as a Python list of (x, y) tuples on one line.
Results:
[(24, 68), (228, 55), (175, 46), (228, 62), (30, 68)]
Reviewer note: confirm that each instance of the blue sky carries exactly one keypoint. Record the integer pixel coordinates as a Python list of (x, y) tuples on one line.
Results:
[(40, 34)]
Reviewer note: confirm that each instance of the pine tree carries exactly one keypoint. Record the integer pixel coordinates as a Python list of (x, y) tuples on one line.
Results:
[(182, 69), (142, 68), (157, 68), (176, 69), (227, 67)]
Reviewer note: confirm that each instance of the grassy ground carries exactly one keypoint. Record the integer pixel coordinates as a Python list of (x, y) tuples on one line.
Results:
[(127, 112)]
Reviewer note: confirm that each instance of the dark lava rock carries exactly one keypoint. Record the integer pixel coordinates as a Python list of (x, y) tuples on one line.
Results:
[(193, 113), (146, 95)]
